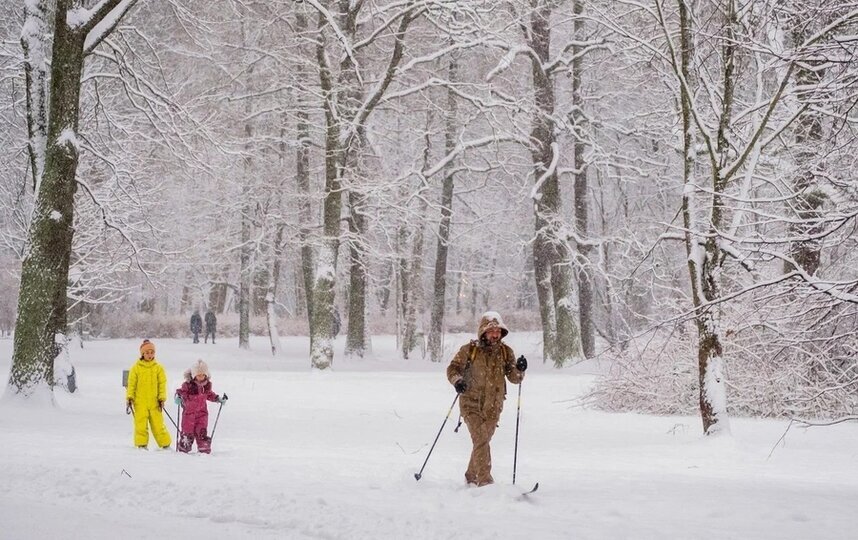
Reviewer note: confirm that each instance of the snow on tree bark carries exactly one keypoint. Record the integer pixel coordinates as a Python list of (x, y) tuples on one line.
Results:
[(552, 255), (34, 36), (45, 268)]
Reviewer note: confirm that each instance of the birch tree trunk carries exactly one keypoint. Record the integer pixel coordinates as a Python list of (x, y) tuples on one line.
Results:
[(704, 254), (34, 36)]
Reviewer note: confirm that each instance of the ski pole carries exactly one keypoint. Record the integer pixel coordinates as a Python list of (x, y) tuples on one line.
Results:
[(517, 416), (418, 475), (178, 431), (224, 398), (170, 417)]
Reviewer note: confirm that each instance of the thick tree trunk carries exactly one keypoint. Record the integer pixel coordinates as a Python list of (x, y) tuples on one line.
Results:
[(414, 294), (384, 293), (302, 173), (245, 275), (567, 338), (356, 340), (185, 300), (544, 295), (44, 271), (586, 298), (245, 255), (321, 328), (403, 283), (439, 282), (218, 293), (325, 272), (245, 278), (550, 248), (351, 96), (261, 280), (809, 199)]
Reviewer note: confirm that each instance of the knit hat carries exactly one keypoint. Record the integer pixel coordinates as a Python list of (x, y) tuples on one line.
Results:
[(491, 319), (147, 346), (199, 367)]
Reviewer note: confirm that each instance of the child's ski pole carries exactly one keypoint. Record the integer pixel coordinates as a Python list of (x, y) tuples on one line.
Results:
[(170, 417), (224, 398), (178, 431)]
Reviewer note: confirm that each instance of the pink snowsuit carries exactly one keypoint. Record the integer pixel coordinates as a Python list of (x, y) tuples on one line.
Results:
[(195, 418)]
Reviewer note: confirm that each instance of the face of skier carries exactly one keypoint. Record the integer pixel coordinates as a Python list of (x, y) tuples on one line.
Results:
[(493, 335), (148, 355), (200, 377)]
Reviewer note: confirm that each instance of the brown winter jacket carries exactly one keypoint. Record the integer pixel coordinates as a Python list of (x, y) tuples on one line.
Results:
[(484, 376), (483, 368)]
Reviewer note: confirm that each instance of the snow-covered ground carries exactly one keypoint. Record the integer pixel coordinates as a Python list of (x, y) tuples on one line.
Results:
[(300, 454)]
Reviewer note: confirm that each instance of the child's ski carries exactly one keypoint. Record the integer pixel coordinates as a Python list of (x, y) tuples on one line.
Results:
[(526, 493)]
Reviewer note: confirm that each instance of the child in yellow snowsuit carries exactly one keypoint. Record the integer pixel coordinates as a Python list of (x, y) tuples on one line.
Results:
[(147, 391)]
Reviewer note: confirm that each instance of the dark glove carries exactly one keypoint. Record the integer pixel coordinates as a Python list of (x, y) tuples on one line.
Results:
[(161, 404), (521, 363), (129, 406), (461, 386)]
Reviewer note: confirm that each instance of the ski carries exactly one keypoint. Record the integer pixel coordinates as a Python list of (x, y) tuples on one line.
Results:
[(526, 493)]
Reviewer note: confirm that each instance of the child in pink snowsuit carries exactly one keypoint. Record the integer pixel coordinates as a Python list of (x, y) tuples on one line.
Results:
[(194, 396)]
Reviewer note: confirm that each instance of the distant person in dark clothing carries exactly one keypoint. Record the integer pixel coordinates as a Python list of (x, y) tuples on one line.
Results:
[(211, 325), (196, 325)]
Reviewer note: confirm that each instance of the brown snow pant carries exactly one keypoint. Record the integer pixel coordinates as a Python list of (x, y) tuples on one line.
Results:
[(480, 466)]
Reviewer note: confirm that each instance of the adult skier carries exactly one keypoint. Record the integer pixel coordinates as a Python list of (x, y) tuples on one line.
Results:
[(478, 373)]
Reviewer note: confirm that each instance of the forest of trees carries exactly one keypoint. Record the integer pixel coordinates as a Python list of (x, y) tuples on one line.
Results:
[(663, 185)]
